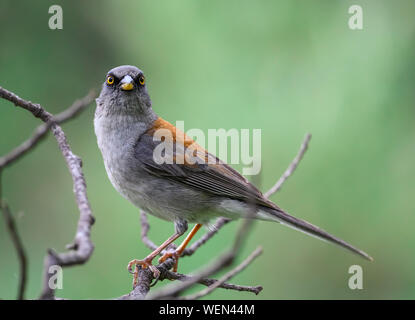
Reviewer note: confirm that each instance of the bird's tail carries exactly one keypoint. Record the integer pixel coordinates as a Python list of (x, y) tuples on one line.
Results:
[(308, 228)]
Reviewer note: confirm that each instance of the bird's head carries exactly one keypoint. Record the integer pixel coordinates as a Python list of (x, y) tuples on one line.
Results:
[(124, 92)]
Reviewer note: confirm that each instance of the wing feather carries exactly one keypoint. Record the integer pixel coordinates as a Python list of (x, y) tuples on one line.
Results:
[(214, 177)]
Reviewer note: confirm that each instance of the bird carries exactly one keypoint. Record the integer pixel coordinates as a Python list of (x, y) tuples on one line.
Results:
[(181, 191)]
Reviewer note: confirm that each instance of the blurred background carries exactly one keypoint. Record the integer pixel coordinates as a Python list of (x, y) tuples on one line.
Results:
[(286, 67)]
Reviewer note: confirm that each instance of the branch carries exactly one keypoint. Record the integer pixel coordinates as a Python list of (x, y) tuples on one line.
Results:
[(82, 246), (291, 168), (11, 226), (209, 282), (226, 277), (41, 131), (146, 277), (145, 227)]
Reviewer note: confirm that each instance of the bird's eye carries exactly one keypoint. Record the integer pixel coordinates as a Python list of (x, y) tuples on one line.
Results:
[(110, 80), (142, 80)]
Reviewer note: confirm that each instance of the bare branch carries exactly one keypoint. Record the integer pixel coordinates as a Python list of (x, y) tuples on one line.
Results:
[(76, 108), (146, 277), (82, 246), (26, 146), (11, 226), (145, 227), (43, 129), (291, 168), (208, 282), (225, 277)]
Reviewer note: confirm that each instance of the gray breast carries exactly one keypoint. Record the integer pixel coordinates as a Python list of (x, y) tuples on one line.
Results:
[(116, 137)]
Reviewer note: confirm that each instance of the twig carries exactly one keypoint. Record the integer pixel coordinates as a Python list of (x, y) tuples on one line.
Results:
[(43, 129), (146, 277), (291, 168), (82, 246), (225, 277), (145, 227), (208, 282), (11, 226)]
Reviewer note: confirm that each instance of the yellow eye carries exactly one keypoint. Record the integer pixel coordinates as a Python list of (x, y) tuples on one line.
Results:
[(110, 80), (142, 80)]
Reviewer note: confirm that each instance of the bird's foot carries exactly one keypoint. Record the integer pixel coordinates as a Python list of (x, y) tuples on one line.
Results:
[(146, 263), (171, 254)]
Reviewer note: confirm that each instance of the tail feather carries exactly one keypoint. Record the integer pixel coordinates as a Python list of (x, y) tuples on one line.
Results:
[(308, 228)]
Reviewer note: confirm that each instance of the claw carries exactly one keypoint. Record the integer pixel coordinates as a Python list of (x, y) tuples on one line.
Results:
[(146, 263), (143, 264)]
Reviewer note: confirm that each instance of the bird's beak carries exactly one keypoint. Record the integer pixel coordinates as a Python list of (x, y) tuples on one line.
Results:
[(127, 83)]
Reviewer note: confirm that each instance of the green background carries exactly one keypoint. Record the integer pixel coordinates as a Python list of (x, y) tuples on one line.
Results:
[(286, 67)]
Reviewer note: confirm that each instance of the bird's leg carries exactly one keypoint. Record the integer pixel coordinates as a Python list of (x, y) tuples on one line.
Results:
[(181, 227), (177, 253)]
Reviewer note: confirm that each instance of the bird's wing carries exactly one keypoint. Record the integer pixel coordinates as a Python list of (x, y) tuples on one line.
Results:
[(188, 163)]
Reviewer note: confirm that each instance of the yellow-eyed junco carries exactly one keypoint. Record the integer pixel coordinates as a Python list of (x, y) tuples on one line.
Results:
[(128, 133)]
